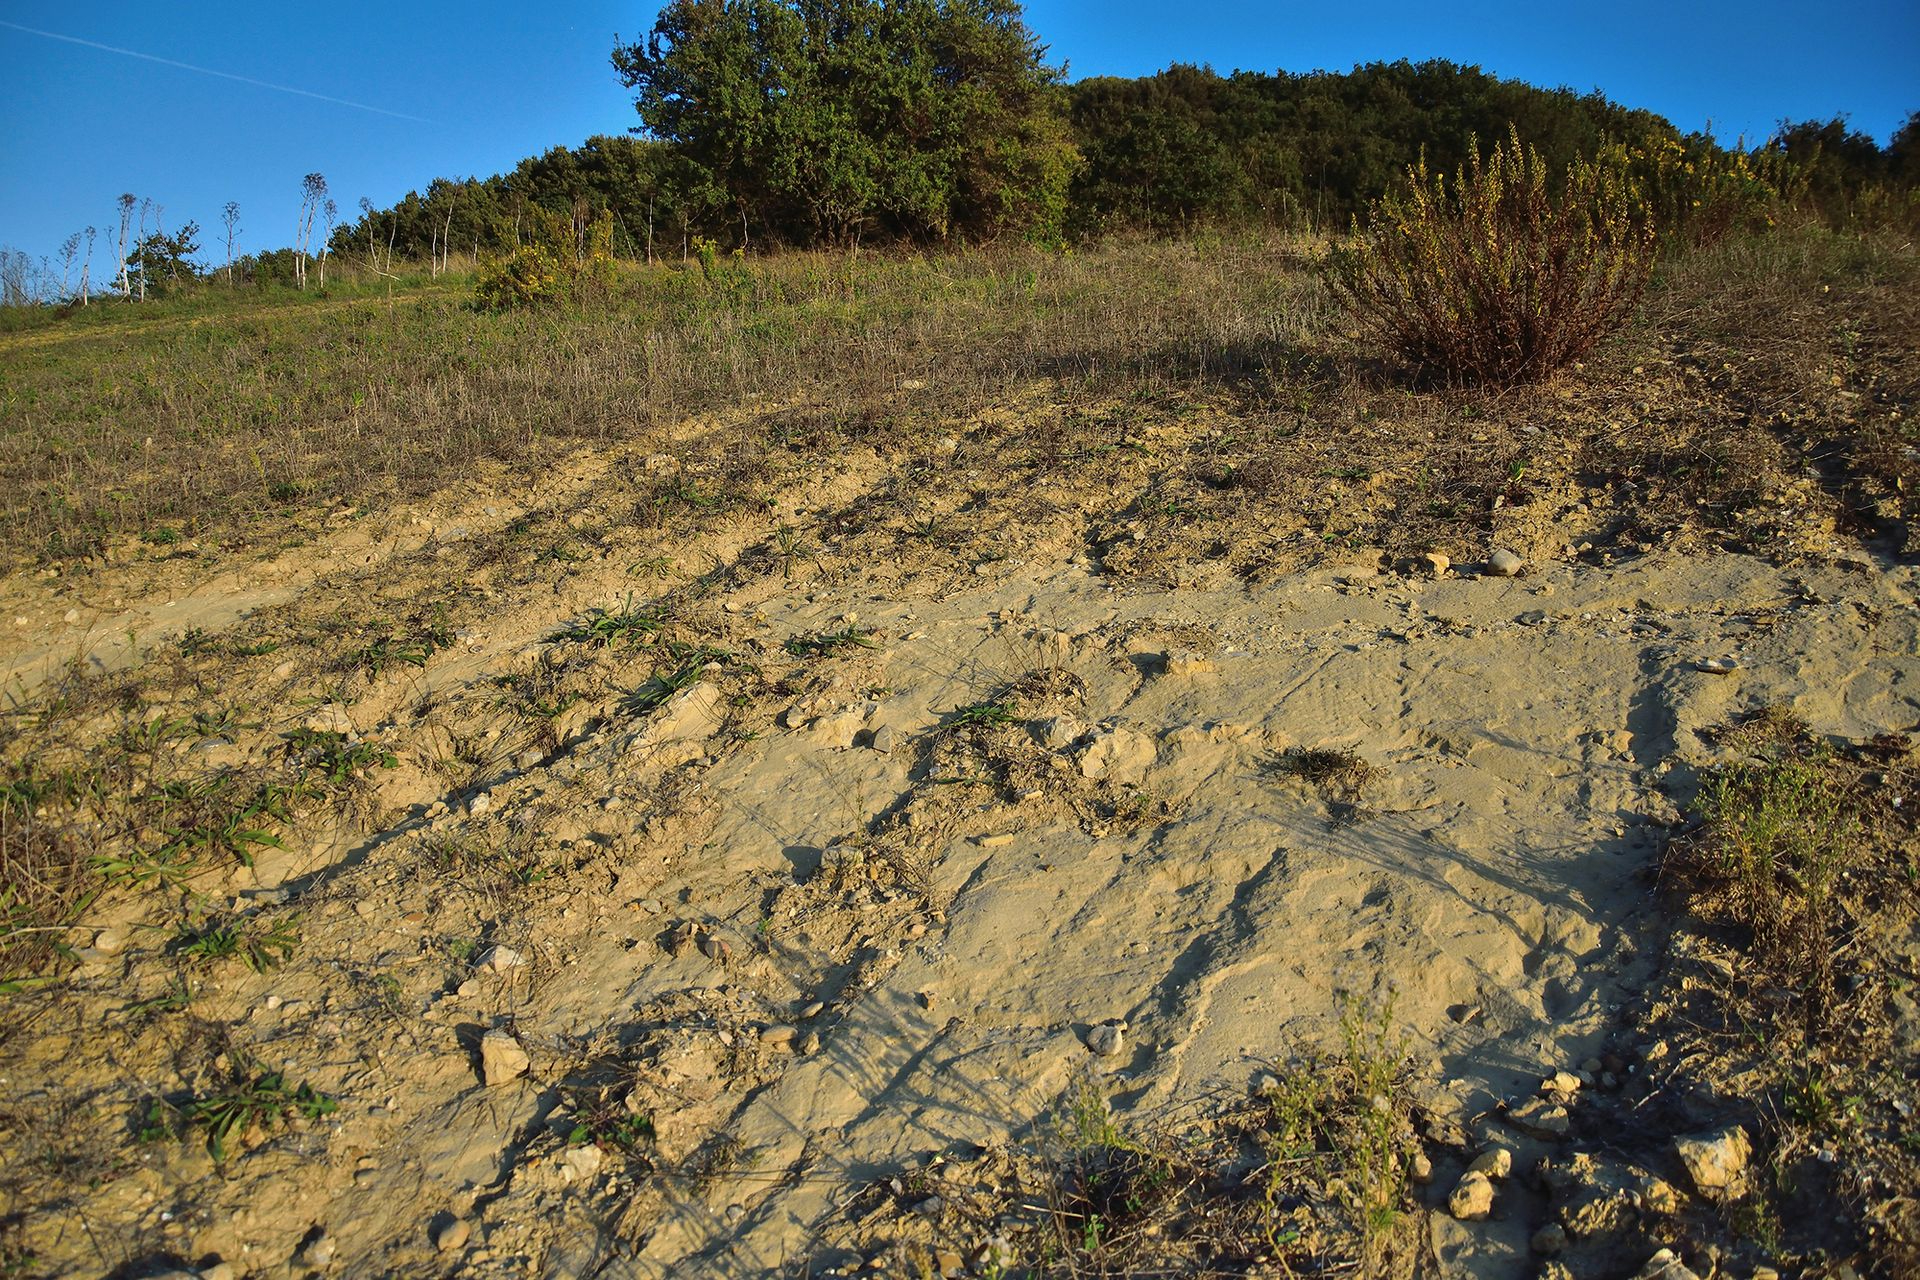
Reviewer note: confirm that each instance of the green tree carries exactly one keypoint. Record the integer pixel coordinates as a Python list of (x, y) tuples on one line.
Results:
[(836, 119)]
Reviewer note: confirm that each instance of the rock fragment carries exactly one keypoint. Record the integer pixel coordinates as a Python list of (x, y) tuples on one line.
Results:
[(502, 1060), (1108, 1039), (453, 1236), (1717, 1161), (1504, 563), (1471, 1200)]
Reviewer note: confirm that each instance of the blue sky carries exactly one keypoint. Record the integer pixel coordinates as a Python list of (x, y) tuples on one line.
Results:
[(483, 84)]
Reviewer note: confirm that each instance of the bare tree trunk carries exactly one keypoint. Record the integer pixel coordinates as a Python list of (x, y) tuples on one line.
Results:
[(86, 269), (126, 220)]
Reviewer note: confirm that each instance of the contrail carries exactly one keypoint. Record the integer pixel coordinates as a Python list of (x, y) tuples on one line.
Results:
[(209, 71)]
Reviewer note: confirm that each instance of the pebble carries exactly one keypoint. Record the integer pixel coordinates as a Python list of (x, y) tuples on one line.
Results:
[(1718, 666), (1000, 841), (1715, 1161), (481, 803), (499, 960), (318, 1252), (995, 1255), (778, 1034), (884, 739), (1550, 1239), (1665, 1265), (1420, 1168), (1504, 563), (109, 942), (1560, 1082), (502, 1060), (715, 949), (949, 1264), (1472, 1199), (813, 1010), (1496, 1163), (453, 1236), (1541, 1118), (1108, 1039), (1436, 564)]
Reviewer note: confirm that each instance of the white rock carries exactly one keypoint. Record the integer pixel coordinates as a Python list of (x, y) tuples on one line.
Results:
[(499, 960), (1496, 1163), (453, 1236), (1665, 1265), (480, 803), (502, 1060), (1504, 563), (1122, 754), (1472, 1199), (1715, 1161), (1436, 564), (582, 1162), (1108, 1040)]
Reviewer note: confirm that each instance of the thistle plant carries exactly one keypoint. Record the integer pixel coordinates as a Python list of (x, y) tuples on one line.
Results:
[(1492, 280)]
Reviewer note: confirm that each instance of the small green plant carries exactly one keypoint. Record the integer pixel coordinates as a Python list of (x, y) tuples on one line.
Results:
[(260, 1101), (981, 715), (1776, 837), (606, 627), (336, 757), (826, 644), (260, 950), (1494, 280)]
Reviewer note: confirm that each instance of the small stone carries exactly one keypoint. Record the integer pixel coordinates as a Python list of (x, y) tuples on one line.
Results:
[(884, 739), (1464, 1014), (502, 1060), (1715, 1161), (810, 1044), (1472, 1199), (1108, 1039), (1560, 1082), (1504, 563), (1665, 1265), (1541, 1118), (715, 949), (1718, 666), (813, 1010), (995, 1255), (1436, 564), (318, 1252), (481, 803), (1420, 1168), (778, 1035), (453, 1236), (582, 1162), (1496, 1163), (1122, 754), (931, 1207), (109, 942), (1532, 618), (949, 1264), (999, 841), (1549, 1240), (218, 1271), (499, 960)]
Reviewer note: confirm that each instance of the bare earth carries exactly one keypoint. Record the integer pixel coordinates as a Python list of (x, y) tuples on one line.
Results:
[(815, 919)]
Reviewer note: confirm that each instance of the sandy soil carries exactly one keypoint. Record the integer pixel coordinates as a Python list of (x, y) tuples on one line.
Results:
[(816, 920)]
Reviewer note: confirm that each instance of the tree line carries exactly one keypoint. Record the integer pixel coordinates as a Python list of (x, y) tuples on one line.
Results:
[(841, 122), (807, 122)]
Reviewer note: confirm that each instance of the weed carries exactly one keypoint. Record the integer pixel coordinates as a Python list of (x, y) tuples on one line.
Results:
[(1776, 836), (258, 1100), (1495, 281), (826, 644), (337, 758), (980, 715), (260, 949), (606, 627), (1339, 775)]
